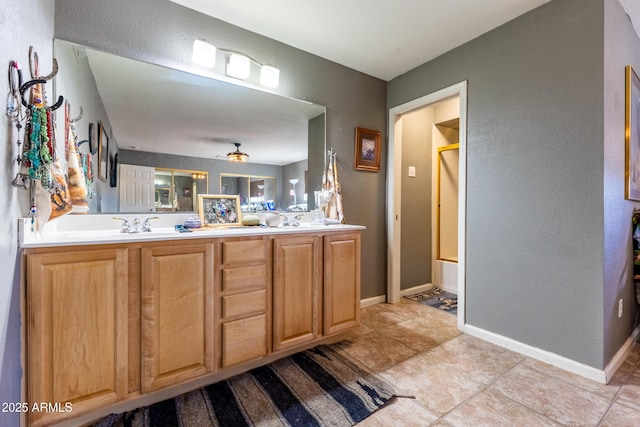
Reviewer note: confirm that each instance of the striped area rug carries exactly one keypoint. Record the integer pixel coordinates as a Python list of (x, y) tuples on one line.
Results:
[(317, 387)]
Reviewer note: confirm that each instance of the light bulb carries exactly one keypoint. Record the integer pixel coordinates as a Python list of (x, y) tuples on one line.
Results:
[(204, 53), (239, 66), (269, 76)]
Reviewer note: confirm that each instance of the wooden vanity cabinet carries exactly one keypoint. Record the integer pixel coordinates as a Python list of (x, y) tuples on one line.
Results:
[(112, 323), (177, 313), (341, 309), (297, 291), (243, 298), (77, 329)]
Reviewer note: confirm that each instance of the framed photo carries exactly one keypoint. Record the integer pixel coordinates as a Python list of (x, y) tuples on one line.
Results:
[(367, 150), (632, 135), (93, 139), (186, 191), (103, 152), (219, 209)]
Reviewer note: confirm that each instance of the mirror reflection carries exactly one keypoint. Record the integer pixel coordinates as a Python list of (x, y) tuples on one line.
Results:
[(178, 190), (167, 119), (257, 193)]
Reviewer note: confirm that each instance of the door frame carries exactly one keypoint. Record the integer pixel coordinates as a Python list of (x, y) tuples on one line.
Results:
[(394, 179)]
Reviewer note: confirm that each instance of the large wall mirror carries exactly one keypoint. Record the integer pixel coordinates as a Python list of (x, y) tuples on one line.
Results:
[(169, 119)]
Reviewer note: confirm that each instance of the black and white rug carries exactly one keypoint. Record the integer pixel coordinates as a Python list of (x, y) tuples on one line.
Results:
[(317, 387), (437, 298)]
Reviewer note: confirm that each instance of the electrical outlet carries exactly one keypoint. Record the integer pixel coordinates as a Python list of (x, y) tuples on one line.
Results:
[(412, 171), (620, 308)]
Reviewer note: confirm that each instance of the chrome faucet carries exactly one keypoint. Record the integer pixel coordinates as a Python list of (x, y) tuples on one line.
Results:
[(135, 226), (285, 220), (146, 225), (296, 220)]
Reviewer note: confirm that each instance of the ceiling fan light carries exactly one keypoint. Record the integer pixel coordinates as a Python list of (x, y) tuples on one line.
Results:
[(269, 76), (239, 66), (237, 156), (204, 53)]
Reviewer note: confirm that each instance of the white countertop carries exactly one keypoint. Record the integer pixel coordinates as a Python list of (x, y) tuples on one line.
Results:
[(101, 229)]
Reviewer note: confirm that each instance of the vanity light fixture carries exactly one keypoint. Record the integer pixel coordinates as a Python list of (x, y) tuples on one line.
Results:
[(238, 64), (204, 53), (198, 176), (237, 156)]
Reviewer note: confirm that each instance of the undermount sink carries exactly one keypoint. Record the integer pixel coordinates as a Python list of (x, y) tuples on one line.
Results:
[(102, 234)]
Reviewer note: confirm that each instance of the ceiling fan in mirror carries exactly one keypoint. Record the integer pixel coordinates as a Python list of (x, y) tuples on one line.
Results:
[(233, 156)]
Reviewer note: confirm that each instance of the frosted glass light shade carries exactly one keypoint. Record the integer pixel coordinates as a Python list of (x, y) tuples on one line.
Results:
[(204, 53), (239, 66), (269, 76)]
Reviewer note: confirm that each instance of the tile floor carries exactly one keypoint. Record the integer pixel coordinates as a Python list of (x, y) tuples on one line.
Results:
[(459, 380)]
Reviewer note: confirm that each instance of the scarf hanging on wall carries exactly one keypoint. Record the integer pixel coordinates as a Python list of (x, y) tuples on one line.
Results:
[(331, 183)]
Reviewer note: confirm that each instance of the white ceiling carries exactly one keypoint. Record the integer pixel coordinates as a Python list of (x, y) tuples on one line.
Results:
[(381, 38)]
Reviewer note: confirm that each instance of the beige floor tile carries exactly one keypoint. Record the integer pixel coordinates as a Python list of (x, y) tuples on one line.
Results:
[(376, 317), (422, 334), (606, 390), (630, 392), (403, 412), (451, 373), (413, 308), (375, 351), (621, 416), (556, 399), (492, 408)]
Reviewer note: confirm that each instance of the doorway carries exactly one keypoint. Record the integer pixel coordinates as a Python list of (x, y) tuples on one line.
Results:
[(394, 186)]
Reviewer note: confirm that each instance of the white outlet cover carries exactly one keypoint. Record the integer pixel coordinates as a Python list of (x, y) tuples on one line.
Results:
[(412, 171)]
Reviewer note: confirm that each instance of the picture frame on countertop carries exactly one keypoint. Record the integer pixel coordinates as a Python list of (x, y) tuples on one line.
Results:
[(219, 209)]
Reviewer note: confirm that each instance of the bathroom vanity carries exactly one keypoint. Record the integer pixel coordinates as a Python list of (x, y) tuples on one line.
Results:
[(120, 321)]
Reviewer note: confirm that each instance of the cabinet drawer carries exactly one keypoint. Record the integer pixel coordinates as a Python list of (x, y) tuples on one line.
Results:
[(243, 251), (239, 278), (243, 304), (244, 340)]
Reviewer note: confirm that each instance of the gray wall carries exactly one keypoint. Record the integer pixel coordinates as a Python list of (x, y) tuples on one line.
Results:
[(621, 48), (534, 175), (22, 24), (164, 34)]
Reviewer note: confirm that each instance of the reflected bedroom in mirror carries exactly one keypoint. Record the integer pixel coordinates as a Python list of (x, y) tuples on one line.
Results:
[(178, 135)]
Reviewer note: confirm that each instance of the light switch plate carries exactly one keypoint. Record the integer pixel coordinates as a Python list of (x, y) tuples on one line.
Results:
[(412, 171)]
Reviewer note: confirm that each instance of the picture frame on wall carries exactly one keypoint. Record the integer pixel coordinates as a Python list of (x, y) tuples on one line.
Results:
[(367, 150), (93, 139), (219, 209), (103, 152), (632, 135)]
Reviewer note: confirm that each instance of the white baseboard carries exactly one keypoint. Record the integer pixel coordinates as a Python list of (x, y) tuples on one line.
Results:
[(556, 360), (372, 301), (618, 359), (416, 289)]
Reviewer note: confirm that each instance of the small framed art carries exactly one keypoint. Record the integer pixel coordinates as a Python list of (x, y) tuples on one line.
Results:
[(367, 150)]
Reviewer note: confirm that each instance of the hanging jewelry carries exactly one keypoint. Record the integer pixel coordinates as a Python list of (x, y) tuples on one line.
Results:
[(14, 105)]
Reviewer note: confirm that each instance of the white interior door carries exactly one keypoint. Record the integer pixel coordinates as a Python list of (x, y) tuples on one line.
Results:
[(137, 188)]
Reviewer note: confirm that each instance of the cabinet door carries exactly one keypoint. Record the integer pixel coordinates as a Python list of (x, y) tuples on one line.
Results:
[(177, 314), (77, 330), (296, 298), (341, 282)]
